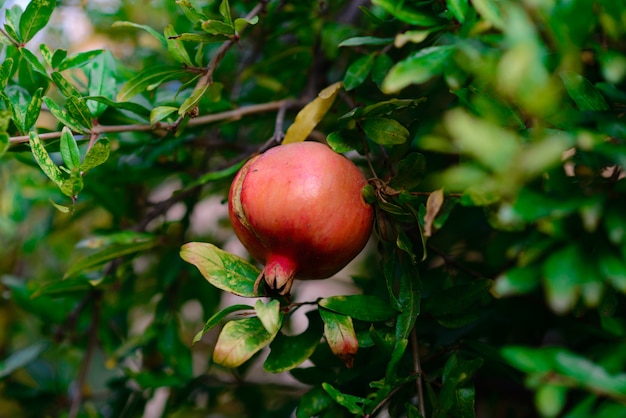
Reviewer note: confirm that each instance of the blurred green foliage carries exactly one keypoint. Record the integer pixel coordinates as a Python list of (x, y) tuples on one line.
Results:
[(494, 134)]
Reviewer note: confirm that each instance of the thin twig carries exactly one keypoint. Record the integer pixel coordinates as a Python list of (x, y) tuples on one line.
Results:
[(199, 121), (77, 396), (417, 367)]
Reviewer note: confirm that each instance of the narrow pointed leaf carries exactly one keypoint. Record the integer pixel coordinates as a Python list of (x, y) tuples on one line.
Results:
[(79, 59), (175, 46), (150, 30), (33, 109), (583, 93), (148, 80), (358, 71), (311, 114), (35, 17), (161, 112), (102, 82), (219, 317), (34, 62), (79, 111), (69, 149), (21, 358), (361, 307), (66, 88), (5, 72), (108, 254), (418, 68), (61, 115), (225, 12), (43, 159)]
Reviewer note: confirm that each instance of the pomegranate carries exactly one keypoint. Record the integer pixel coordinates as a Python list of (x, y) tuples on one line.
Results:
[(299, 209)]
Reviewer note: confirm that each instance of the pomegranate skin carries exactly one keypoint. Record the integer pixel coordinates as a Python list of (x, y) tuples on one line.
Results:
[(299, 209)]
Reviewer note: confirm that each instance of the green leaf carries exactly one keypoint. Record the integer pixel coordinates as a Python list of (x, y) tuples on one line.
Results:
[(34, 62), (490, 11), (459, 9), (159, 113), (239, 341), (340, 335), (35, 17), (107, 254), (149, 29), (219, 317), (385, 131), (192, 10), (459, 298), (269, 314), (43, 159), (223, 270), (148, 80), (66, 88), (494, 146), (102, 82), (33, 110), (61, 115), (417, 68), (517, 281), (130, 106), (175, 46), (457, 373), (358, 71), (79, 111), (225, 12), (79, 59), (354, 404), (345, 140), (12, 25), (212, 91), (563, 273), (21, 358), (411, 171), (313, 403), (5, 72), (4, 143), (365, 40), (550, 399), (407, 13), (288, 352), (241, 23), (72, 185), (380, 69), (216, 27), (583, 93), (69, 149), (362, 307)]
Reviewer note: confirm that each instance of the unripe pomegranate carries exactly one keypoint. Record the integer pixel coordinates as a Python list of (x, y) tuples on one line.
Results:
[(299, 209)]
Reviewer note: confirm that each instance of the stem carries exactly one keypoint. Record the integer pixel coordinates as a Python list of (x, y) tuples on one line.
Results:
[(419, 382), (77, 396), (199, 121)]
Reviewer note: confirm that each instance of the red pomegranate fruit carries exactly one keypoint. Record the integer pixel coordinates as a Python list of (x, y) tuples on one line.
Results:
[(299, 209)]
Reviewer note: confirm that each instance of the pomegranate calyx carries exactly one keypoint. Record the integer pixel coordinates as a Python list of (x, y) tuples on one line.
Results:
[(279, 274)]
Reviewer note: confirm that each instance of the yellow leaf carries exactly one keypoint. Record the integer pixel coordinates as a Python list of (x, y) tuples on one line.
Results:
[(312, 114), (433, 205)]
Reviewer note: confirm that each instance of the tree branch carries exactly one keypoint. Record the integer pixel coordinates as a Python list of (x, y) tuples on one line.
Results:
[(199, 121)]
